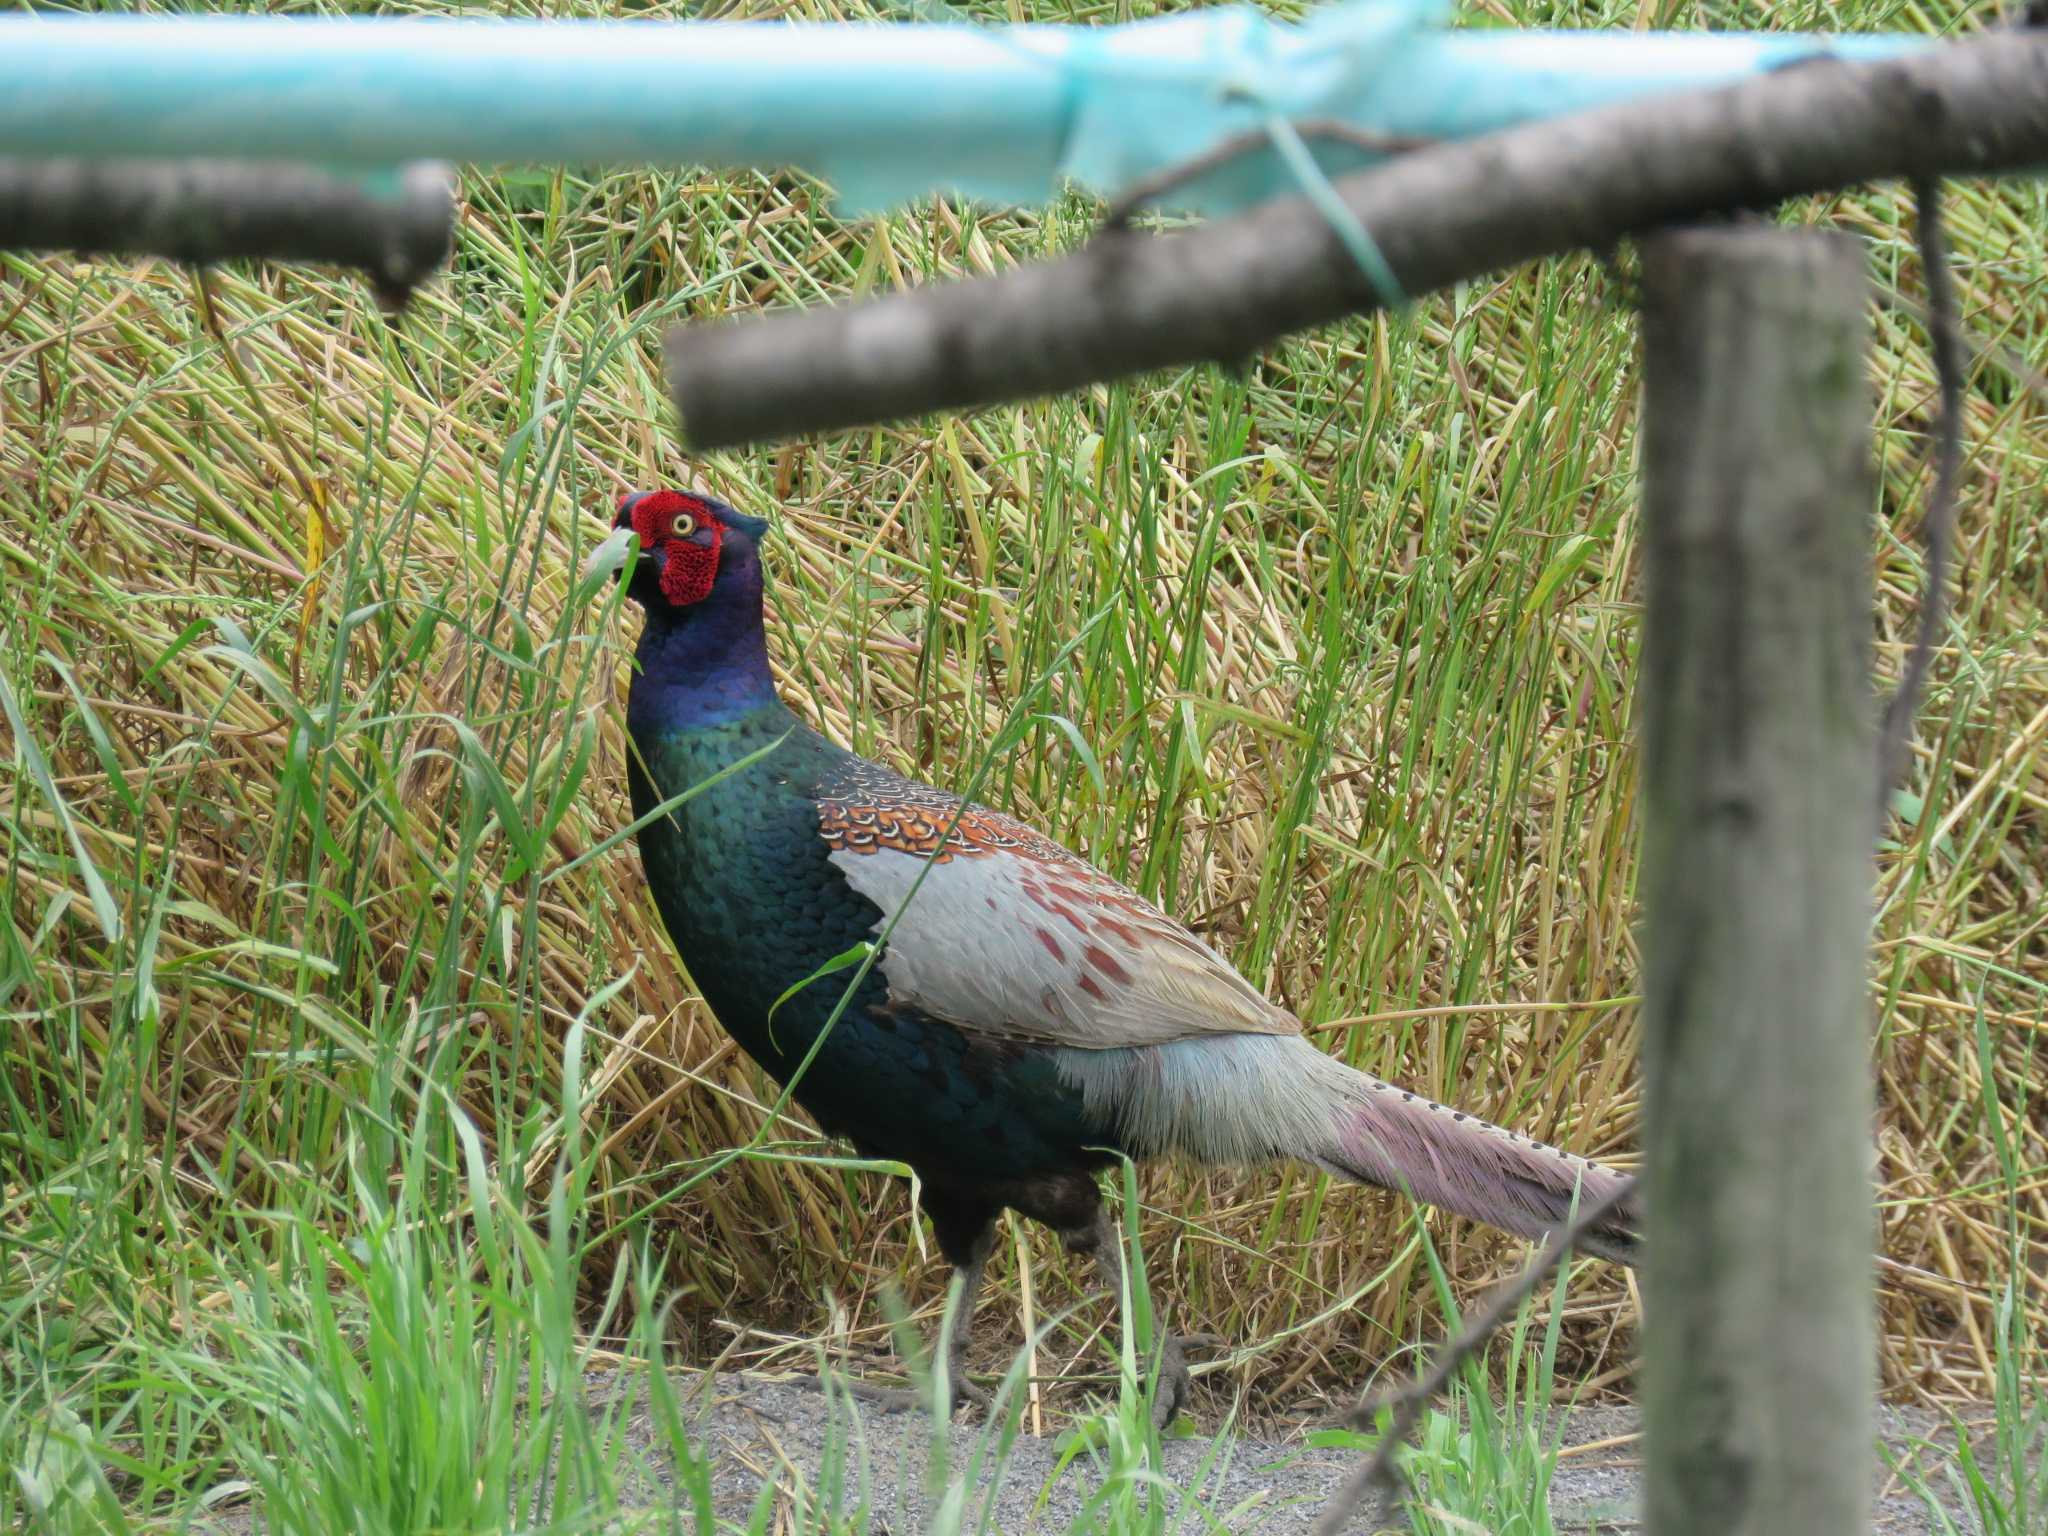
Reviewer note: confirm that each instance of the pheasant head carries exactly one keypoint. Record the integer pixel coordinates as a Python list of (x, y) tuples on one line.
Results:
[(695, 554), (703, 654)]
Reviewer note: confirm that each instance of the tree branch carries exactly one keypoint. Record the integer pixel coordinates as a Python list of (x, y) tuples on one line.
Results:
[(211, 210), (1441, 215)]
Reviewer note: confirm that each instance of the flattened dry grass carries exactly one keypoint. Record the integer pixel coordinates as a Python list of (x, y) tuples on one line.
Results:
[(316, 753)]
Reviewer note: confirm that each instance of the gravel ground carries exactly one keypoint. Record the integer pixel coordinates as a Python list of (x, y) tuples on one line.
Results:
[(764, 1430)]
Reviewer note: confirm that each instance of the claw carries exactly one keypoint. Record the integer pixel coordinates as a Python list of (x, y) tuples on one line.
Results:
[(908, 1400), (904, 1400)]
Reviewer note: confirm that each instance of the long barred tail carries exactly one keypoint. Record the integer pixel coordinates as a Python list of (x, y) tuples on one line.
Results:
[(1383, 1135), (1243, 1098)]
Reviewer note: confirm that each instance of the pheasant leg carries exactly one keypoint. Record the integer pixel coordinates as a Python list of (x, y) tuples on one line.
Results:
[(1098, 1241)]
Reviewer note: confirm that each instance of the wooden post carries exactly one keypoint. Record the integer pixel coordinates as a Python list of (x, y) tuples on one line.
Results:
[(1760, 791)]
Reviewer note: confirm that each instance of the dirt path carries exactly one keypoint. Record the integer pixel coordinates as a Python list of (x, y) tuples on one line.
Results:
[(773, 1430)]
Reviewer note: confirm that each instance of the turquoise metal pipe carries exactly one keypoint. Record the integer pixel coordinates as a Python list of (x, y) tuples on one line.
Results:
[(374, 92), (887, 112)]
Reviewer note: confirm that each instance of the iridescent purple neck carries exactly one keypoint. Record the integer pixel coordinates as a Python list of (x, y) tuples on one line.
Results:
[(703, 665)]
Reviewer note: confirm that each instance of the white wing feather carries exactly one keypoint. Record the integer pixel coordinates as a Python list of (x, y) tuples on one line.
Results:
[(1018, 945)]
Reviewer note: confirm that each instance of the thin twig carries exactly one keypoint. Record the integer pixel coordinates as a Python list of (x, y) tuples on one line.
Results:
[(320, 532), (1381, 1470), (1149, 189), (1984, 352), (1938, 523)]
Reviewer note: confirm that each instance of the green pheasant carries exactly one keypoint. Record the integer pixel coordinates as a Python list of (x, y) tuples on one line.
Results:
[(1027, 1013)]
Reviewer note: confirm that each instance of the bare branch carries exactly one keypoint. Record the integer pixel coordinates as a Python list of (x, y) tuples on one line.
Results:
[(1441, 215), (211, 210)]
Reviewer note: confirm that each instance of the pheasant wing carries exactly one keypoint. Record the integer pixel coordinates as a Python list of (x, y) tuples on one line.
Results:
[(1001, 931)]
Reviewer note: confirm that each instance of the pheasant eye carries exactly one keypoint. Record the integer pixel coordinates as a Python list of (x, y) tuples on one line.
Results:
[(683, 526)]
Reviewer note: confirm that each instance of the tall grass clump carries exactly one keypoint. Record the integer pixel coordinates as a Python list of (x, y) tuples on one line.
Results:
[(313, 798), (1993, 1480), (1484, 1461)]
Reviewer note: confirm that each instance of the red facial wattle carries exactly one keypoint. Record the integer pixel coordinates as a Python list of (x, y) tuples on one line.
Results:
[(689, 568)]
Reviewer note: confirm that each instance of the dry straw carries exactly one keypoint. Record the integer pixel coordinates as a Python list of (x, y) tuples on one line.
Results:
[(289, 618)]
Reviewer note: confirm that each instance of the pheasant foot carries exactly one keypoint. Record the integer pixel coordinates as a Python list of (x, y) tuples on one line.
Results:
[(967, 1277), (1097, 1241), (1176, 1385)]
